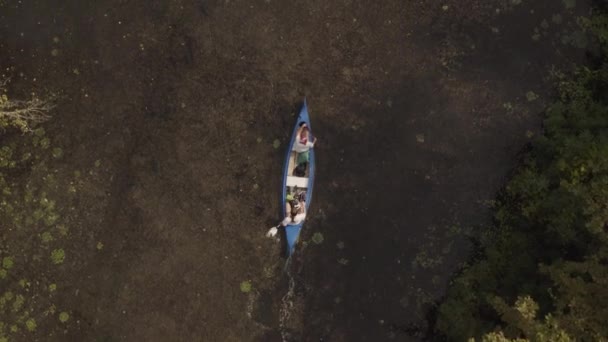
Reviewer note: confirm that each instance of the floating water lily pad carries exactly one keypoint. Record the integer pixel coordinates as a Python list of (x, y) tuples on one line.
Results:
[(46, 237), (57, 152), (569, 3), (556, 19), (544, 24), (531, 96), (317, 238), (64, 317), (30, 324), (7, 263), (246, 286), (45, 143), (57, 256), (578, 39)]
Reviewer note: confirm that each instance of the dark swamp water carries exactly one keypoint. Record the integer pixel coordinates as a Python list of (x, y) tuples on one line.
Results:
[(420, 108)]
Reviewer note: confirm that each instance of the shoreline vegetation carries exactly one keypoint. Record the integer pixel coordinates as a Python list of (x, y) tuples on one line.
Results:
[(540, 272), (32, 211)]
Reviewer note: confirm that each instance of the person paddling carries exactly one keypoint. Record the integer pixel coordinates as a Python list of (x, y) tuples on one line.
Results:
[(296, 214), (303, 144)]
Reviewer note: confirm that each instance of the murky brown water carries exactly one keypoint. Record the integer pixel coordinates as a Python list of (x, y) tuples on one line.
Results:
[(420, 109)]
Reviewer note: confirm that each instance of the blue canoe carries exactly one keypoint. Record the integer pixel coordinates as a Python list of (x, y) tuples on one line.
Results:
[(290, 181)]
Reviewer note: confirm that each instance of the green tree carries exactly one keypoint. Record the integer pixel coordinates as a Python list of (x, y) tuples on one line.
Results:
[(548, 250)]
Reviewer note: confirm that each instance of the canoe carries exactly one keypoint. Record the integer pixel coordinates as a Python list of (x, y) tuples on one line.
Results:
[(301, 184)]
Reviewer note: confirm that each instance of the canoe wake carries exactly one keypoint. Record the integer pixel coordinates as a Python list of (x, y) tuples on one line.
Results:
[(287, 304)]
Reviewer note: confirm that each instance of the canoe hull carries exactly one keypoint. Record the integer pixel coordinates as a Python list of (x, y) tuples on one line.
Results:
[(292, 232)]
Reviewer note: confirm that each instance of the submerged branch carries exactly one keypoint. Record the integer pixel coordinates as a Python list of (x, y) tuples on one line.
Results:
[(23, 113)]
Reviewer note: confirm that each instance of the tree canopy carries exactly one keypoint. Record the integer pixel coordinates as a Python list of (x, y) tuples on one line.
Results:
[(541, 272)]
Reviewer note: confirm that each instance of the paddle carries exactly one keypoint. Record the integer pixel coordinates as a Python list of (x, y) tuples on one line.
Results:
[(272, 232)]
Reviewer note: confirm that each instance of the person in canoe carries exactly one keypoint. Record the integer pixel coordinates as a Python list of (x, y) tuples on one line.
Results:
[(303, 144), (296, 214)]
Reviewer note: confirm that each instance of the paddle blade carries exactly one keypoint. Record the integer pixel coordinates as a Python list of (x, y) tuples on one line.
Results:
[(272, 232)]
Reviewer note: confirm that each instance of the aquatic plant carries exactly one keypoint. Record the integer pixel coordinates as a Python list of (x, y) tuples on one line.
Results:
[(544, 24), (7, 263), (45, 143), (531, 96), (25, 206), (556, 19), (57, 256), (276, 143), (22, 114), (30, 324), (577, 39), (569, 3), (46, 237), (63, 230), (425, 260), (317, 238), (64, 317), (18, 303), (57, 152), (246, 286), (268, 272), (50, 218)]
